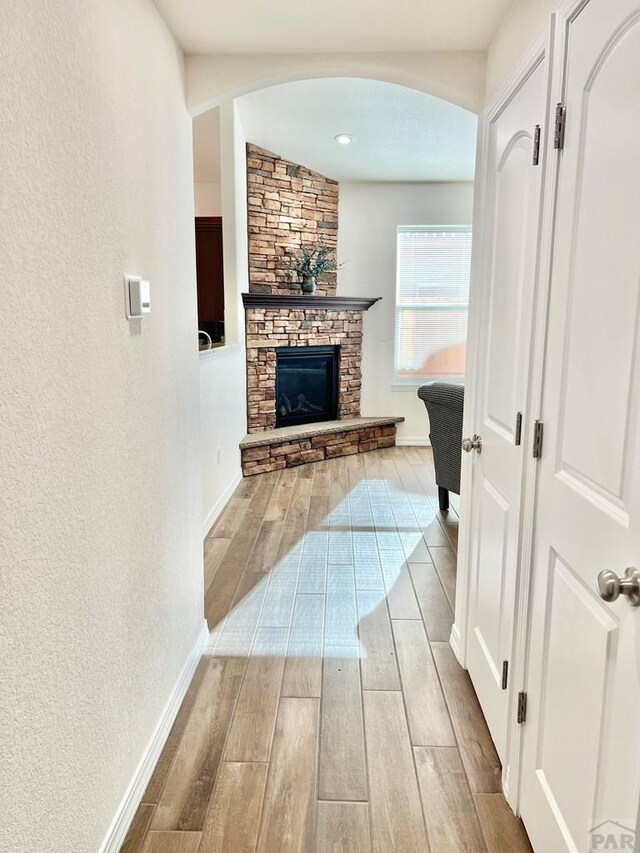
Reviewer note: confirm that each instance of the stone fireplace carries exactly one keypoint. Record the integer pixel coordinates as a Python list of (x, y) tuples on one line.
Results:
[(275, 322), (304, 352), (314, 327)]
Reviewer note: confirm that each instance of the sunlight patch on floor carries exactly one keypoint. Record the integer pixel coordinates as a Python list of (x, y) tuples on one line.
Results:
[(362, 544)]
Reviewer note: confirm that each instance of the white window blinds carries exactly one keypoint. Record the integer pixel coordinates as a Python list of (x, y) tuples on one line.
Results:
[(433, 266)]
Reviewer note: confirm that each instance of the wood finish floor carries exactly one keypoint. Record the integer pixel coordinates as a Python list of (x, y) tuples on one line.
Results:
[(329, 713)]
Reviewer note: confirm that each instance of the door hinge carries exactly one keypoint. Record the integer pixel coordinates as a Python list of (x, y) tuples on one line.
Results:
[(560, 123), (522, 707), (536, 145), (505, 674), (538, 435), (518, 435)]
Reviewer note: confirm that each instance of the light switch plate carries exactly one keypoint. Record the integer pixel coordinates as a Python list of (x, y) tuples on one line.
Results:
[(137, 296)]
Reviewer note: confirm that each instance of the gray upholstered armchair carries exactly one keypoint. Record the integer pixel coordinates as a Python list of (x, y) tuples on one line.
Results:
[(445, 403)]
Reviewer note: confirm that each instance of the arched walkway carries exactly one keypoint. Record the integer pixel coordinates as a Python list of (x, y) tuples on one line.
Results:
[(457, 77)]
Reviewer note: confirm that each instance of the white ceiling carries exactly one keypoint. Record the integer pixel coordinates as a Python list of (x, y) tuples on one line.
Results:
[(289, 26), (206, 147), (399, 134)]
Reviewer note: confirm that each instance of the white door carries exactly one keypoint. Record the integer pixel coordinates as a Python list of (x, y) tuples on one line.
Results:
[(581, 740), (513, 188)]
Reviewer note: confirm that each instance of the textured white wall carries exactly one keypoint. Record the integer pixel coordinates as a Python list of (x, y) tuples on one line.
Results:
[(368, 216), (100, 505), (208, 199), (526, 21), (223, 416), (223, 392)]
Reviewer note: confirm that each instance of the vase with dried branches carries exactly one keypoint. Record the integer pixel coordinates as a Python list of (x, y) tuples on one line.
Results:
[(310, 262)]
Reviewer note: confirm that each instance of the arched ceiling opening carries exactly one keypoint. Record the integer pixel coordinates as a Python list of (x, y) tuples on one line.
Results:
[(397, 133)]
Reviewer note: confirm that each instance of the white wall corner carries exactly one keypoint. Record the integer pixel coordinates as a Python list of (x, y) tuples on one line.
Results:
[(220, 504), (133, 795), (235, 239)]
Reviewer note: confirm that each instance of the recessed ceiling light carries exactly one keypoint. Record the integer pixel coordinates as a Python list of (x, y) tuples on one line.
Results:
[(343, 139)]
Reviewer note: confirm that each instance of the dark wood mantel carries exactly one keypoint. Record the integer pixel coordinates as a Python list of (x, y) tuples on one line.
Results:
[(308, 300)]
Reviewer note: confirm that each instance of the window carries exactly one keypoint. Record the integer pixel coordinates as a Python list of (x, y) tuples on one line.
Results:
[(432, 297)]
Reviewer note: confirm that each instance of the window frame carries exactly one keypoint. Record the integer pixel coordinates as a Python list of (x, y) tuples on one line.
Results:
[(408, 383)]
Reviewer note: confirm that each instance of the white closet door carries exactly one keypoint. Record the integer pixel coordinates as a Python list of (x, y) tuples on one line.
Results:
[(513, 188), (581, 758)]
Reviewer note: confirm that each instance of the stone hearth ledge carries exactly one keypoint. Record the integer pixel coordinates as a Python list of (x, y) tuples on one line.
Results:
[(299, 445), (284, 435)]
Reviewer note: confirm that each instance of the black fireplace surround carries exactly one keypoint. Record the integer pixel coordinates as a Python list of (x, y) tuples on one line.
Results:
[(306, 384)]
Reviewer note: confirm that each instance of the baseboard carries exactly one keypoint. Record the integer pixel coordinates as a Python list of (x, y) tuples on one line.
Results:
[(131, 800), (421, 441), (506, 783), (454, 642), (220, 504)]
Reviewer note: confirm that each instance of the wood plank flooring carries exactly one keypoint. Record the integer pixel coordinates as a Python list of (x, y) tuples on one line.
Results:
[(329, 713)]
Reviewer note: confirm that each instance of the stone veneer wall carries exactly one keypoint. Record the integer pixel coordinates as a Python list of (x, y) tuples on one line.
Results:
[(273, 457), (268, 329), (289, 206)]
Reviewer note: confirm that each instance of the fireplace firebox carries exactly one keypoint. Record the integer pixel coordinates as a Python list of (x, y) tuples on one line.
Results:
[(306, 384)]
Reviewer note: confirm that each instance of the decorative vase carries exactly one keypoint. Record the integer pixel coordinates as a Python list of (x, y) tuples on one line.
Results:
[(309, 284)]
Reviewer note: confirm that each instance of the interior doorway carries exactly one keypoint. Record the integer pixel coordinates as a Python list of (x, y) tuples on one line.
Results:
[(208, 229), (210, 279)]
